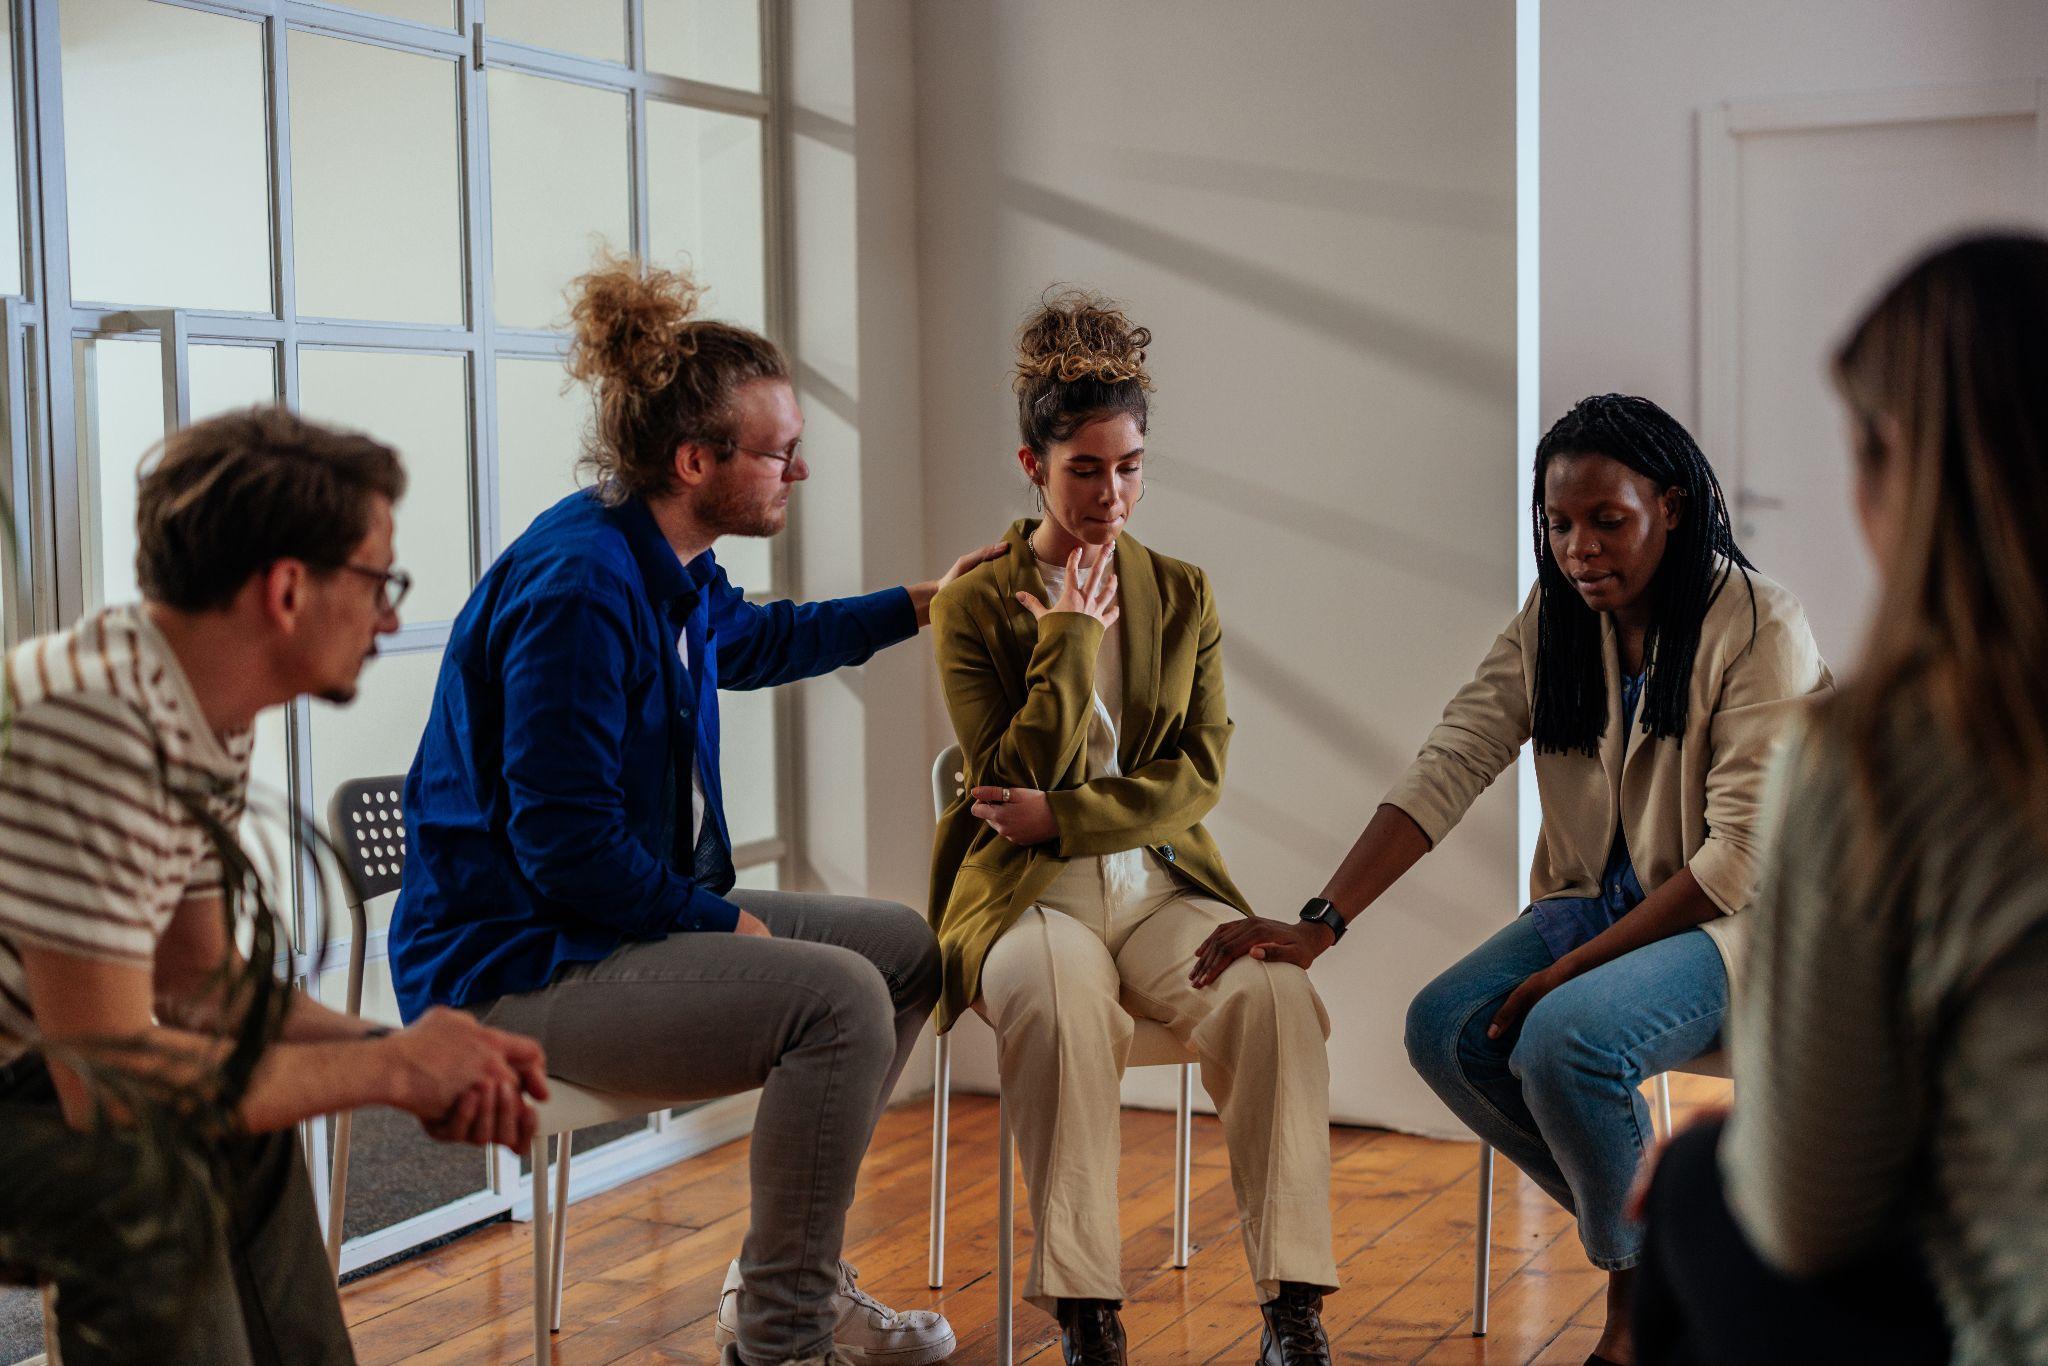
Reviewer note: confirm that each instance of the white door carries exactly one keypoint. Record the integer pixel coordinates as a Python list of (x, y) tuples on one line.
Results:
[(1809, 208)]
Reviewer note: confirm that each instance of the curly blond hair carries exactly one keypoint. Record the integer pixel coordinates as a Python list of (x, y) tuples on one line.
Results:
[(1079, 359), (663, 376)]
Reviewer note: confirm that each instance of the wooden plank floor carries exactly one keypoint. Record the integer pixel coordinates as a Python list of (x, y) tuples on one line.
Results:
[(646, 1260)]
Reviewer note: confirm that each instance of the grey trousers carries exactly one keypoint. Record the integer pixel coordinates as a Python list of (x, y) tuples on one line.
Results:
[(258, 1292), (821, 1017)]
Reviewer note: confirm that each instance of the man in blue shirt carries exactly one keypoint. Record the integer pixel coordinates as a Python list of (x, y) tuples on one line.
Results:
[(570, 875)]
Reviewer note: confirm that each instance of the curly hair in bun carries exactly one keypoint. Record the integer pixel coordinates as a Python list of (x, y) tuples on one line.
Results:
[(1079, 360), (663, 375)]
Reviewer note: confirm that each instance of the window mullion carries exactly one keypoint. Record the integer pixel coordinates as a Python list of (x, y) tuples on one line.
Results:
[(61, 515), (479, 310)]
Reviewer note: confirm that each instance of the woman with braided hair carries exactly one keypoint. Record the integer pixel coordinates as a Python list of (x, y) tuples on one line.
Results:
[(1072, 879), (1654, 668)]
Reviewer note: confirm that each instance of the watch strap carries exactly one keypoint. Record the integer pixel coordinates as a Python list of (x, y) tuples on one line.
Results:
[(1321, 910)]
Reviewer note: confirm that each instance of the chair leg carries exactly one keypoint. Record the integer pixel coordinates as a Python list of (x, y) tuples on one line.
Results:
[(942, 1106), (1483, 1252), (543, 1244), (50, 1354), (561, 1244), (1663, 1089), (1006, 1238), (337, 1188), (1183, 1167)]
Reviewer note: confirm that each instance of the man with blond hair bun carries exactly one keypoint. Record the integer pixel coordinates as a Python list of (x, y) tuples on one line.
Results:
[(572, 874)]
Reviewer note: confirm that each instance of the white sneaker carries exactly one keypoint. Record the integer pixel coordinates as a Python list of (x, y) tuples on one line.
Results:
[(867, 1332)]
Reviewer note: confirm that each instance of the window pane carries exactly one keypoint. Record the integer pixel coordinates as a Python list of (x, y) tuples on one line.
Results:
[(10, 186), (762, 877), (746, 763), (540, 430), (420, 404), (705, 206), (152, 221), (559, 190), (717, 41), (372, 737), (746, 561), (121, 418), (376, 205), (227, 377), (439, 13), (589, 28)]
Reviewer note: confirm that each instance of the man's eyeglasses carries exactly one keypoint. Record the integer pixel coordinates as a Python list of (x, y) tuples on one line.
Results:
[(392, 584), (784, 458)]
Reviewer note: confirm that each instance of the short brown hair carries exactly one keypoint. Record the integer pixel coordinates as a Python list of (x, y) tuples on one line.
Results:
[(230, 496), (663, 375)]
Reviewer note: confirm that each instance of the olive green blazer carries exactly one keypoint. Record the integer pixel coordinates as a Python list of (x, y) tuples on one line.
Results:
[(1020, 693)]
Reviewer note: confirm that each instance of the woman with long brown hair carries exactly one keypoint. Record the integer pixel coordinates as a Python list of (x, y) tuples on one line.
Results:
[(1891, 1048)]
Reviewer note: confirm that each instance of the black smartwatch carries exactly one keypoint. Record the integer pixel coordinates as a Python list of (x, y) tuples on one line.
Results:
[(1323, 913)]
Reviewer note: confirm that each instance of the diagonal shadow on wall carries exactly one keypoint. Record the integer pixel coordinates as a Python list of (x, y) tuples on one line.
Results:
[(1373, 331)]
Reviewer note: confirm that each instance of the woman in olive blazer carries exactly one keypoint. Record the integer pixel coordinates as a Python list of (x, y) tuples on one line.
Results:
[(1655, 669), (1072, 879)]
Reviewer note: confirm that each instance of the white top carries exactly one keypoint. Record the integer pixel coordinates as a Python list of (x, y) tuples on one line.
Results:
[(1128, 872), (105, 756)]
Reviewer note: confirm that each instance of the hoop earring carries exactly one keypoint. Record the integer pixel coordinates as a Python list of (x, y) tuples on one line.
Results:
[(1038, 492)]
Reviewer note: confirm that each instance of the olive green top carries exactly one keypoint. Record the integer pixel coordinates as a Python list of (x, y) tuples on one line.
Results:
[(1020, 692), (1891, 1046)]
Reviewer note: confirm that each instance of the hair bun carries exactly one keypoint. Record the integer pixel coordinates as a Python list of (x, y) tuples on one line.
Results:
[(1076, 335), (629, 322)]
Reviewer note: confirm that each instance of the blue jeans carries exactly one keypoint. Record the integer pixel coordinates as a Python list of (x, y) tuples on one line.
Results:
[(1558, 1097)]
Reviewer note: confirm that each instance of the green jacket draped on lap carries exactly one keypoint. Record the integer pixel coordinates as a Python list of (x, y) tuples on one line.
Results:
[(1021, 692)]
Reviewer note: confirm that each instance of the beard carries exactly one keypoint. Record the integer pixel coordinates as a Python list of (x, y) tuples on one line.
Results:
[(727, 508), (341, 694)]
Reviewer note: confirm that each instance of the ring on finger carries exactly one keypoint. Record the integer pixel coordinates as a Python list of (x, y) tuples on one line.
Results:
[(1006, 796)]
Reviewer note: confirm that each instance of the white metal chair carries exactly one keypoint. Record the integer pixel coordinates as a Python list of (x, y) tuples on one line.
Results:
[(366, 822), (1713, 1064), (1152, 1045)]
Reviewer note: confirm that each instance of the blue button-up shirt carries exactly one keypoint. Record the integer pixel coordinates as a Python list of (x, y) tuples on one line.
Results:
[(547, 813)]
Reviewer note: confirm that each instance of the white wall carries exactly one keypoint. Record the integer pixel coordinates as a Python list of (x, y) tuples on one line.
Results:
[(1312, 205), (863, 813), (1622, 83)]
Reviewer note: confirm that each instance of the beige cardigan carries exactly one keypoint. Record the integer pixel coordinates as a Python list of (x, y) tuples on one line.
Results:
[(1686, 801)]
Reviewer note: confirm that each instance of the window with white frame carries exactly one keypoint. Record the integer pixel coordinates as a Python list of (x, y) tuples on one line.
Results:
[(370, 212)]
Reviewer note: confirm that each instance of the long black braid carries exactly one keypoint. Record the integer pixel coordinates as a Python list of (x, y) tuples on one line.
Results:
[(1571, 683)]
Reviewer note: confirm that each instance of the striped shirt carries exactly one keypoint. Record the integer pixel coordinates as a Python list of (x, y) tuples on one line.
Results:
[(105, 760)]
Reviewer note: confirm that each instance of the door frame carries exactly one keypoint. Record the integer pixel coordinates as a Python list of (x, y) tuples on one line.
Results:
[(1718, 211)]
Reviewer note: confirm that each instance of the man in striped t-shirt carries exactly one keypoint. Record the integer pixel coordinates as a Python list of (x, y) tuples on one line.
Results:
[(265, 559)]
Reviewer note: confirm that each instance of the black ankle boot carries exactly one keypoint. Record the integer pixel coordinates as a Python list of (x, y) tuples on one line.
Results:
[(1090, 1332), (1294, 1333)]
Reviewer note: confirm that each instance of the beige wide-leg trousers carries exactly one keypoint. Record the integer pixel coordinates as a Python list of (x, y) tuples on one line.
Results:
[(1060, 987)]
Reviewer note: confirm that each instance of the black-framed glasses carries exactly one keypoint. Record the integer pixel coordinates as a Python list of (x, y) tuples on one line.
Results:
[(392, 584)]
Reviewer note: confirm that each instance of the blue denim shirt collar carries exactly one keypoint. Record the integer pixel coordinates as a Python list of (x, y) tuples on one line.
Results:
[(676, 586)]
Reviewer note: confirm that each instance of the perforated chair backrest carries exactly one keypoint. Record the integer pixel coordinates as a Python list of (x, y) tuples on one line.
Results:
[(366, 821), (949, 779)]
